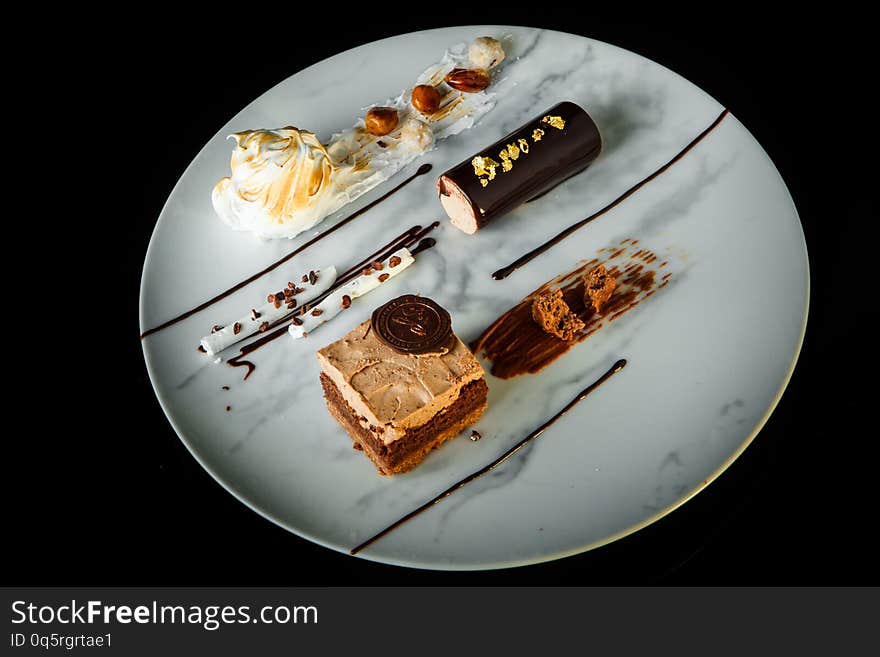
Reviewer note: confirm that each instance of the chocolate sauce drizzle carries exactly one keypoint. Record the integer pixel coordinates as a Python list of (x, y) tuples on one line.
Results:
[(414, 235), (619, 365), (516, 344), (504, 272), (422, 170)]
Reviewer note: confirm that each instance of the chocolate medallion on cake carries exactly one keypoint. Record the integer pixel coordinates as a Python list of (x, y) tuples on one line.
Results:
[(411, 324)]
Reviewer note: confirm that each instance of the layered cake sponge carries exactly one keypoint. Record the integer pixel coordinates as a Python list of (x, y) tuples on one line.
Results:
[(402, 391)]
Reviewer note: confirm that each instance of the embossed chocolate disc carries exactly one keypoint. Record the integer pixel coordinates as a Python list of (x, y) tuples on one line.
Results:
[(413, 325)]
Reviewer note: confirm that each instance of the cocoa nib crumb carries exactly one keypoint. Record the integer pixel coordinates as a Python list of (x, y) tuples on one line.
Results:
[(346, 301), (296, 321), (225, 388), (236, 328), (383, 277), (378, 266), (254, 314), (313, 277), (264, 326), (216, 328), (394, 261), (291, 285), (304, 279), (316, 312), (475, 435), (271, 298)]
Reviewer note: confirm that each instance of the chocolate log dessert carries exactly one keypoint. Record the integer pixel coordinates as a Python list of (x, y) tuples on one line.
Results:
[(402, 383), (525, 164)]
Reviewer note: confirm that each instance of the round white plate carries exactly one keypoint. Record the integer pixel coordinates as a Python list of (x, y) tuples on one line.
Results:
[(709, 356)]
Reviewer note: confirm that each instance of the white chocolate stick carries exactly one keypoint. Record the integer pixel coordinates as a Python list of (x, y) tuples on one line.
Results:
[(332, 305), (249, 324)]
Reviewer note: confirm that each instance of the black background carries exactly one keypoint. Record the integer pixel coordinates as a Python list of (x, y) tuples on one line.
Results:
[(104, 493)]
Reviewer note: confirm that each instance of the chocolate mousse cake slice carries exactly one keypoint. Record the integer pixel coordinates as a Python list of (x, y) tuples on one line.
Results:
[(402, 383)]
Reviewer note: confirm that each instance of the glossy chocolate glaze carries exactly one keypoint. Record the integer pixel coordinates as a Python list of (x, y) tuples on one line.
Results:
[(619, 365), (422, 170), (558, 155)]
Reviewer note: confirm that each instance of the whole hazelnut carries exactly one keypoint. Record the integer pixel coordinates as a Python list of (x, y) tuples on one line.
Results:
[(468, 80), (426, 99), (381, 120)]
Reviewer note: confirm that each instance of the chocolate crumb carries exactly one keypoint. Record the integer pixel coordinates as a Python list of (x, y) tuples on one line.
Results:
[(271, 298), (296, 321), (201, 349), (291, 304), (552, 314), (384, 277), (316, 312), (236, 328), (313, 277), (228, 408), (598, 287), (291, 285), (475, 435), (304, 279), (394, 261), (277, 303), (225, 388), (216, 328), (264, 326), (382, 144), (346, 301), (378, 266), (367, 271), (254, 314)]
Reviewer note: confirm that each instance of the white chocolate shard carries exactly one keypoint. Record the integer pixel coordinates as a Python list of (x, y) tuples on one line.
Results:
[(332, 305), (249, 325)]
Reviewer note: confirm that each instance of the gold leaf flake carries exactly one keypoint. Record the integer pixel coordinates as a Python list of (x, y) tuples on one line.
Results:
[(524, 145), (554, 121), (537, 133), (513, 150), (484, 166)]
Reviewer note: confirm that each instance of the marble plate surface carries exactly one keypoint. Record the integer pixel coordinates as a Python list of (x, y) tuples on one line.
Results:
[(709, 356)]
